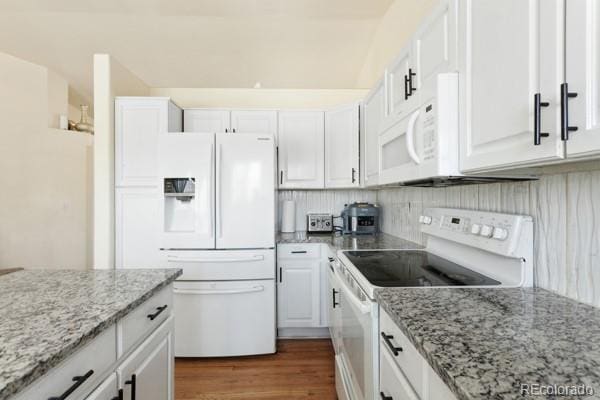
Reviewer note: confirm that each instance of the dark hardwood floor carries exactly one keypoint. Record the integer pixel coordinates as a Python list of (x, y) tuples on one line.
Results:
[(301, 369)]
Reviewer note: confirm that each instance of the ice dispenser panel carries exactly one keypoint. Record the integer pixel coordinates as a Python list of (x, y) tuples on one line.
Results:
[(180, 204)]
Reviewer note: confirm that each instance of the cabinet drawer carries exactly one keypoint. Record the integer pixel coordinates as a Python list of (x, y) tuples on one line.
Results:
[(303, 250), (144, 319), (91, 363), (393, 384), (407, 358)]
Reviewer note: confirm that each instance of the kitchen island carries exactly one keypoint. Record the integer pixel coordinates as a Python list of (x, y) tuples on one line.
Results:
[(50, 319), (503, 343)]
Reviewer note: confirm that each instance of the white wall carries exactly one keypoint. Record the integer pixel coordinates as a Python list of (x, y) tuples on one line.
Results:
[(566, 211), (45, 174), (259, 98), (111, 79), (395, 29)]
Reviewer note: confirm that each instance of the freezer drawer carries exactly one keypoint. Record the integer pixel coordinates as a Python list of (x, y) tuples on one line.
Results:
[(221, 319), (222, 265)]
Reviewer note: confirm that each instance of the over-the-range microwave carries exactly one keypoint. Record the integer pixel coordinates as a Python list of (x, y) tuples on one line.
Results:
[(421, 148)]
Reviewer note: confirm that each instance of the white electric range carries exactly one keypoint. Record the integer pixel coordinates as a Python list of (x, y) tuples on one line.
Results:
[(465, 248)]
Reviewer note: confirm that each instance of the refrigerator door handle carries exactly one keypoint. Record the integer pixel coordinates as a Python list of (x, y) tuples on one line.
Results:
[(176, 259), (218, 191), (212, 192)]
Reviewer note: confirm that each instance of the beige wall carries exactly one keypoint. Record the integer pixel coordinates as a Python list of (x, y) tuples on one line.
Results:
[(45, 174), (395, 29), (111, 79), (259, 98)]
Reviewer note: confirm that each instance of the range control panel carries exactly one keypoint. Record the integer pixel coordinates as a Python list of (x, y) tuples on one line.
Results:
[(319, 223), (495, 232)]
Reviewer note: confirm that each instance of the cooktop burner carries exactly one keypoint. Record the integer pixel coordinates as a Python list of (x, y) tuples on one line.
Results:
[(413, 268)]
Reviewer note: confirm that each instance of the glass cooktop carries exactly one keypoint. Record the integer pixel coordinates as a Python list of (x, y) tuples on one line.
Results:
[(413, 268)]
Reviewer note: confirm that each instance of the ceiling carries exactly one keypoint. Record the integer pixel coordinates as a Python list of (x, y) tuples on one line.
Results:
[(198, 43)]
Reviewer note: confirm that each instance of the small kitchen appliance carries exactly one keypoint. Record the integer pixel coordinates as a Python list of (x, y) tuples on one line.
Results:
[(360, 218), (319, 223)]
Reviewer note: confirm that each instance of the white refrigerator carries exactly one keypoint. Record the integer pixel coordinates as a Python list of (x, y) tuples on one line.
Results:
[(217, 223)]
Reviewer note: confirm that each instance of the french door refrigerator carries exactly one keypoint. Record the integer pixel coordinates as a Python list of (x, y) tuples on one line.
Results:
[(217, 213)]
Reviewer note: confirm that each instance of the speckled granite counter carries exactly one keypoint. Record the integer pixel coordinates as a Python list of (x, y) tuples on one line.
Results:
[(349, 242), (45, 316), (485, 342)]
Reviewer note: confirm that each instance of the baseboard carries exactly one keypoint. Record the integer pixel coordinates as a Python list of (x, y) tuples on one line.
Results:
[(303, 333)]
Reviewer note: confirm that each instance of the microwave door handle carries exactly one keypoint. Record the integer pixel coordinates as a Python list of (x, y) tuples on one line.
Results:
[(410, 137), (175, 259), (348, 294)]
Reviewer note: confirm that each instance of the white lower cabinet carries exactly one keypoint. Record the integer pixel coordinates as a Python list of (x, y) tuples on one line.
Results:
[(403, 372), (104, 370), (108, 390), (148, 372)]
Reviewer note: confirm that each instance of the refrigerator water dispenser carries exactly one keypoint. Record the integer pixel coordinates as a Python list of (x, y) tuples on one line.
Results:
[(180, 204)]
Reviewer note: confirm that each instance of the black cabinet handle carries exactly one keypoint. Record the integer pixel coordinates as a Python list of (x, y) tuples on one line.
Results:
[(152, 317), (132, 383), (384, 397), (353, 175), (406, 94), (233, 130), (280, 275), (226, 130), (331, 259), (333, 293), (565, 95), (390, 345), (281, 177), (411, 89), (537, 119), (79, 380), (120, 396), (299, 252)]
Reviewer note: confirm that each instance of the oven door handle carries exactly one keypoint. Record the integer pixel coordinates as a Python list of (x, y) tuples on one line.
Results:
[(349, 295)]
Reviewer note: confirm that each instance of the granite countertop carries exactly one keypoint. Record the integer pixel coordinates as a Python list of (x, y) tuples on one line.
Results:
[(46, 315), (485, 343), (349, 242)]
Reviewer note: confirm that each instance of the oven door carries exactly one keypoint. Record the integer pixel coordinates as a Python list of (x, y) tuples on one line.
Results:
[(357, 338)]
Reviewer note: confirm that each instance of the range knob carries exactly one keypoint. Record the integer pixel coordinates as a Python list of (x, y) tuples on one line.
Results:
[(486, 231), (313, 223), (500, 233), (475, 229), (425, 219)]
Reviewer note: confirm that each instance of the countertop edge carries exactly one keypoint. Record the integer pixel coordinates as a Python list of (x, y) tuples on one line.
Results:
[(16, 387)]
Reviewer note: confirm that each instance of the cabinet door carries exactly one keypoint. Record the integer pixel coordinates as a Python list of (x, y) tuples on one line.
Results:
[(298, 296), (508, 52), (137, 125), (260, 122), (374, 112), (107, 390), (341, 147), (434, 44), (301, 149), (136, 228), (399, 99), (206, 121), (583, 76), (149, 370)]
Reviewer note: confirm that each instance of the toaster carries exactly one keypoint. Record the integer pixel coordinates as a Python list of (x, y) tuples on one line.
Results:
[(319, 223)]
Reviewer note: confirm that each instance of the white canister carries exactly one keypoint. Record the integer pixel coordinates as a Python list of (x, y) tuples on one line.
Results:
[(288, 216)]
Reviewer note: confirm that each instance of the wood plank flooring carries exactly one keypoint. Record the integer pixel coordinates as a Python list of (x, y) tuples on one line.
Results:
[(301, 369)]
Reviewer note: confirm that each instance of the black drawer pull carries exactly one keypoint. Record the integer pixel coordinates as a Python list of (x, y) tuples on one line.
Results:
[(331, 259), (299, 252), (132, 383), (79, 380), (120, 396), (390, 345), (333, 293), (152, 317), (384, 397)]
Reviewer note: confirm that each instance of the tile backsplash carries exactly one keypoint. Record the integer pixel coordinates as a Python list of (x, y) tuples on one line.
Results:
[(566, 212), (322, 201)]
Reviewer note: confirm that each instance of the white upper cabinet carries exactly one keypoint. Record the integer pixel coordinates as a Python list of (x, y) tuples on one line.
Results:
[(398, 82), (373, 113), (341, 147), (301, 150), (206, 121), (508, 52), (583, 76), (260, 122), (138, 121)]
